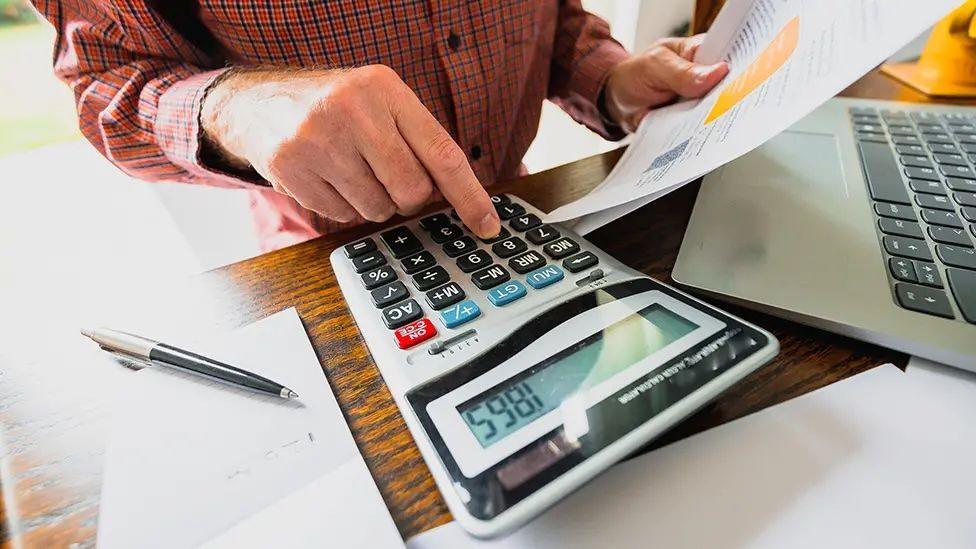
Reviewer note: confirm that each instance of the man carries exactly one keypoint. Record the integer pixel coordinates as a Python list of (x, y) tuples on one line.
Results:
[(339, 111)]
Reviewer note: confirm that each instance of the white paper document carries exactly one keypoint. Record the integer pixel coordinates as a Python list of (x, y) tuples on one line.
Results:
[(882, 459), (786, 57), (189, 458)]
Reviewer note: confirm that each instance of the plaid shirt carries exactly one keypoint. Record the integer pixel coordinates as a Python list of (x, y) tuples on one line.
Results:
[(483, 69)]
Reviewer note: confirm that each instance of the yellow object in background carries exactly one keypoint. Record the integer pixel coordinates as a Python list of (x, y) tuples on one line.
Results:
[(947, 67), (765, 65)]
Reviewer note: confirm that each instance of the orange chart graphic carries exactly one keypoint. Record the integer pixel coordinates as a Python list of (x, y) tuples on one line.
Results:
[(768, 62)]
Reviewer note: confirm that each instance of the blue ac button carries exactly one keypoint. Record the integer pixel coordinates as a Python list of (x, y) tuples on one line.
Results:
[(506, 293), (544, 276), (457, 315)]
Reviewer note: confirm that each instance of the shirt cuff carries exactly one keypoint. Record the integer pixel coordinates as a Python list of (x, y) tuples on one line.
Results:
[(587, 81), (179, 132)]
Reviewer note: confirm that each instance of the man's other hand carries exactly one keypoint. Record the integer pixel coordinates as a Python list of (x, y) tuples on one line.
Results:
[(656, 77), (344, 143)]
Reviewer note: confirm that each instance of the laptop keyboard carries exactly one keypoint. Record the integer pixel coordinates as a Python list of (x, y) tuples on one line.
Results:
[(919, 168)]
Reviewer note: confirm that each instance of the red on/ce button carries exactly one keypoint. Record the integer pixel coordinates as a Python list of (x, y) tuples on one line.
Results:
[(416, 332)]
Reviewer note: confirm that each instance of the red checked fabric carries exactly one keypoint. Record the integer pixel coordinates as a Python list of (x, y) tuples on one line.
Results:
[(483, 69)]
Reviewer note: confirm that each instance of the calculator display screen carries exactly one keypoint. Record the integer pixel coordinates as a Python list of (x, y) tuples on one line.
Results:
[(517, 401)]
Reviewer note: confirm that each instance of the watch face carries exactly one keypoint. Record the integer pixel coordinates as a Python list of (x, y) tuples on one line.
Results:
[(599, 366)]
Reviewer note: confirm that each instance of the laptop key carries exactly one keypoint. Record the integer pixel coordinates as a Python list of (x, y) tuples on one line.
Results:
[(969, 213), (896, 211), (957, 184), (928, 274), (934, 201), (943, 148), (963, 286), (957, 171), (937, 138), (916, 161), (910, 149), (869, 128), (881, 170), (923, 299), (940, 217), (948, 235), (951, 158), (900, 227), (968, 147), (901, 130), (905, 140), (907, 247), (902, 269), (965, 199), (957, 256), (923, 186), (922, 173), (871, 137)]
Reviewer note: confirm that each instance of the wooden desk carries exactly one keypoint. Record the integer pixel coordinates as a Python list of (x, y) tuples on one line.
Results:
[(51, 468)]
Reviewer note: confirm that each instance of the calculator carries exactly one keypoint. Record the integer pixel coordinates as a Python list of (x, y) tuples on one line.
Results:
[(527, 364)]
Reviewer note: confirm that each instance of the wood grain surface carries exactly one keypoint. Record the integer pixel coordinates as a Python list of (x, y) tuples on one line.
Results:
[(54, 412)]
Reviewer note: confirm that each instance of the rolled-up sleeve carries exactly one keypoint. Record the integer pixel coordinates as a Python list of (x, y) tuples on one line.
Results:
[(583, 54), (138, 97)]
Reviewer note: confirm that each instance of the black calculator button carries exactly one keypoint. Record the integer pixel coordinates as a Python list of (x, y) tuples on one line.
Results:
[(360, 247), (502, 235), (401, 313), (445, 296), (419, 262), (560, 248), (580, 261), (460, 246), (431, 278), (369, 261), (525, 222), (377, 277), (542, 234), (508, 211), (500, 199), (435, 221), (473, 261), (529, 261), (455, 215), (488, 278), (402, 242), (388, 294), (450, 231), (510, 247)]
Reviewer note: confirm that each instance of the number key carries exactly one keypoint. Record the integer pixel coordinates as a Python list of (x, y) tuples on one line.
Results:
[(508, 211), (510, 247), (445, 233), (436, 221), (525, 222), (460, 246), (474, 261), (502, 235), (500, 199), (542, 234)]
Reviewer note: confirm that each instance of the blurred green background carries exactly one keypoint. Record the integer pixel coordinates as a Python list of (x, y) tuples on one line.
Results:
[(35, 108)]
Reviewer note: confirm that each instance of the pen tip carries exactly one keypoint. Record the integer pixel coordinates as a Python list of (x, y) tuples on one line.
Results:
[(87, 333), (288, 393)]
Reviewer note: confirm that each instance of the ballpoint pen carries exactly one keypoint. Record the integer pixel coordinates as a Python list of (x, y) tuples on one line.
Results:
[(154, 352)]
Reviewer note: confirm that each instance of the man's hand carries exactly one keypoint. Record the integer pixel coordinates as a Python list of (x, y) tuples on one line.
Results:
[(344, 143), (656, 77)]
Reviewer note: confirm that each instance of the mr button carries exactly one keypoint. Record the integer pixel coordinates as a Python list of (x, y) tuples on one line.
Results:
[(414, 333)]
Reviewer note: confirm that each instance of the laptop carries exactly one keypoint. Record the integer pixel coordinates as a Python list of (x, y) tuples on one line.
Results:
[(860, 219)]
